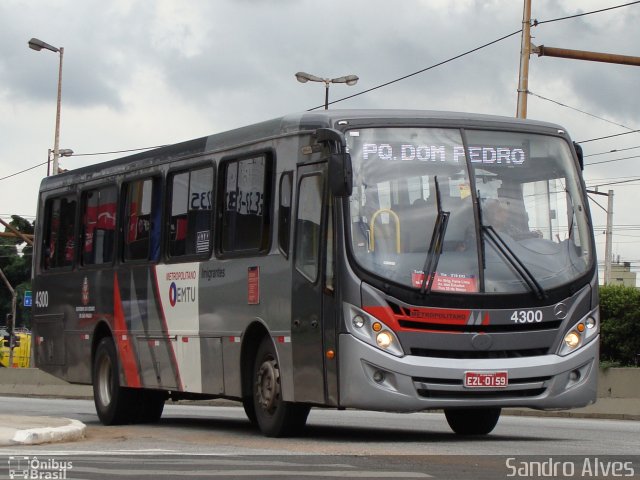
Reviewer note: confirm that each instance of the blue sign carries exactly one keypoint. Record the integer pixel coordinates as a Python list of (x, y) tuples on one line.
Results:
[(27, 298)]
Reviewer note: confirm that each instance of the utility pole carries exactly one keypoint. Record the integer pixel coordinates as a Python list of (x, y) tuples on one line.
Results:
[(608, 255), (608, 246), (526, 49), (525, 53)]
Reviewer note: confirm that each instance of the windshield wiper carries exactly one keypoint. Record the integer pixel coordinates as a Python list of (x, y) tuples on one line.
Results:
[(435, 247), (514, 261)]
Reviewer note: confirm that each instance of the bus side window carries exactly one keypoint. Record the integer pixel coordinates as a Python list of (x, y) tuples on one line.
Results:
[(142, 224), (99, 224), (244, 204), (284, 213), (308, 226), (59, 236), (191, 214)]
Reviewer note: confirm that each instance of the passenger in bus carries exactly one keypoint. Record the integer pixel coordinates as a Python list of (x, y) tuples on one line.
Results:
[(505, 218)]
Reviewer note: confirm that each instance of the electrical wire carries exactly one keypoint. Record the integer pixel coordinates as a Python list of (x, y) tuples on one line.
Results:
[(83, 155), (615, 150), (23, 171), (611, 161), (578, 110), (608, 136), (468, 52), (536, 22)]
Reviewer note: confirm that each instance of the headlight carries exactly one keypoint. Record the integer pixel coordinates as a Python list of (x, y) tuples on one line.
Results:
[(580, 334), (572, 339), (384, 339), (371, 330)]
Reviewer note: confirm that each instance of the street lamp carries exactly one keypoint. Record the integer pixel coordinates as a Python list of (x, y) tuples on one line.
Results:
[(63, 152), (304, 77), (38, 45)]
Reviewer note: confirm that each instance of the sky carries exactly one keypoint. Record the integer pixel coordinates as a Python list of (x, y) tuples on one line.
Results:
[(141, 73)]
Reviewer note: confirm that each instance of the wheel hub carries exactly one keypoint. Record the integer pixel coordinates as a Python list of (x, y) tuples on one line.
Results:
[(268, 385)]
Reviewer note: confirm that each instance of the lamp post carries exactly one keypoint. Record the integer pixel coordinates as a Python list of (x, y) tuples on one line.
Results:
[(304, 77), (38, 45), (62, 152)]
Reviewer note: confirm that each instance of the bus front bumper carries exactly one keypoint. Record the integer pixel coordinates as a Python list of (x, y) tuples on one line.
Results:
[(374, 380)]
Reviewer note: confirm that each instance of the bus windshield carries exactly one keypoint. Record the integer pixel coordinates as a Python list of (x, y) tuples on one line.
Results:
[(516, 218)]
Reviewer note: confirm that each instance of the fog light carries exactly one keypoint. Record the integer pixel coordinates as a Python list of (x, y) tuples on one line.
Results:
[(574, 376), (358, 321), (572, 339), (384, 339), (378, 376), (591, 323)]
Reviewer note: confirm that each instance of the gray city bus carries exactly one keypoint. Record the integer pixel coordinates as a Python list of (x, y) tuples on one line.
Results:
[(374, 259)]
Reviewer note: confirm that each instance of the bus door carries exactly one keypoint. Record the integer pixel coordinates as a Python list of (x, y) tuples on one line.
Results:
[(313, 309)]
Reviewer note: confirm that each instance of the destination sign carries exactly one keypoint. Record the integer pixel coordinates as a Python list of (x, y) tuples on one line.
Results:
[(407, 152)]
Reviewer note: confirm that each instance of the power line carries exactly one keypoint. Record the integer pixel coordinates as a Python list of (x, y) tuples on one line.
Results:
[(608, 136), (23, 171), (611, 151), (536, 22), (83, 155), (612, 160), (420, 71), (577, 110), (116, 151)]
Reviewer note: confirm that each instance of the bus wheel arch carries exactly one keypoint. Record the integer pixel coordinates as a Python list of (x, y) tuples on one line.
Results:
[(101, 331), (251, 340)]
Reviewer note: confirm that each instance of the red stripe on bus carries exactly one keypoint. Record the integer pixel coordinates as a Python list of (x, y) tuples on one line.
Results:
[(123, 339), (425, 316)]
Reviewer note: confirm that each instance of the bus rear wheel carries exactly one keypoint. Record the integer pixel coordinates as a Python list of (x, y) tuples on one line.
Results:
[(472, 421), (113, 402), (274, 416)]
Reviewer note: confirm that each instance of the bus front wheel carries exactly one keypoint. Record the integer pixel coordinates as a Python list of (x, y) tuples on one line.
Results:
[(274, 416), (472, 421), (113, 402)]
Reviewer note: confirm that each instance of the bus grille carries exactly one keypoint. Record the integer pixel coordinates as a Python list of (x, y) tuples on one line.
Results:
[(476, 354), (554, 325), (500, 394), (452, 388)]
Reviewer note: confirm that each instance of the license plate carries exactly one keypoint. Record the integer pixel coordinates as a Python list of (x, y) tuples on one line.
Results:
[(486, 379)]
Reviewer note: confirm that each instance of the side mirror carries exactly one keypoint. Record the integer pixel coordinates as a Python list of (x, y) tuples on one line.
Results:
[(340, 174), (579, 154)]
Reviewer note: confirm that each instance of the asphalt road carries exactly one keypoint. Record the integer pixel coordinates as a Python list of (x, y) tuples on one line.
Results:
[(219, 442)]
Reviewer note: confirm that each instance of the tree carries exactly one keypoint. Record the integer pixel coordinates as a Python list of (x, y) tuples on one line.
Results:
[(620, 324), (17, 268)]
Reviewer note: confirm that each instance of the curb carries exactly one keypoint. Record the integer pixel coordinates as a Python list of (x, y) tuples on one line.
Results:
[(34, 436)]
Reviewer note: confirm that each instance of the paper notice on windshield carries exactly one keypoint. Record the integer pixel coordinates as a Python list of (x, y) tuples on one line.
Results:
[(447, 282)]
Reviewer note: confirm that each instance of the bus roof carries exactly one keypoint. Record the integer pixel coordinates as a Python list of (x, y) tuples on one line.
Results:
[(289, 125)]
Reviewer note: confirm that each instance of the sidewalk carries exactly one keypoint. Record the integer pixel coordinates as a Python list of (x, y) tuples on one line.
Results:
[(23, 430)]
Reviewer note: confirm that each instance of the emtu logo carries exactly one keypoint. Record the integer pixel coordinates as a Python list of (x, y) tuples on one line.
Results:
[(182, 294)]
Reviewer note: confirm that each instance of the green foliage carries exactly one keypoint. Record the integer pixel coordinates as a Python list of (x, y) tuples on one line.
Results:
[(17, 269), (620, 325)]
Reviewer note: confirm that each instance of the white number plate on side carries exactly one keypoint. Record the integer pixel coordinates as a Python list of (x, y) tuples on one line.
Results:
[(486, 379)]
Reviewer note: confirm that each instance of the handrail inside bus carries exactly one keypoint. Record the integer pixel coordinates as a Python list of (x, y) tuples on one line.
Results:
[(372, 226)]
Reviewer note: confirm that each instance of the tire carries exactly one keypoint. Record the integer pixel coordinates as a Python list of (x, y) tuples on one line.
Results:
[(274, 416), (250, 409), (114, 403), (472, 421), (149, 405)]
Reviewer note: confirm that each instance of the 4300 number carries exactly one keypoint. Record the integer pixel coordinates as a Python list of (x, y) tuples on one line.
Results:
[(526, 316)]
